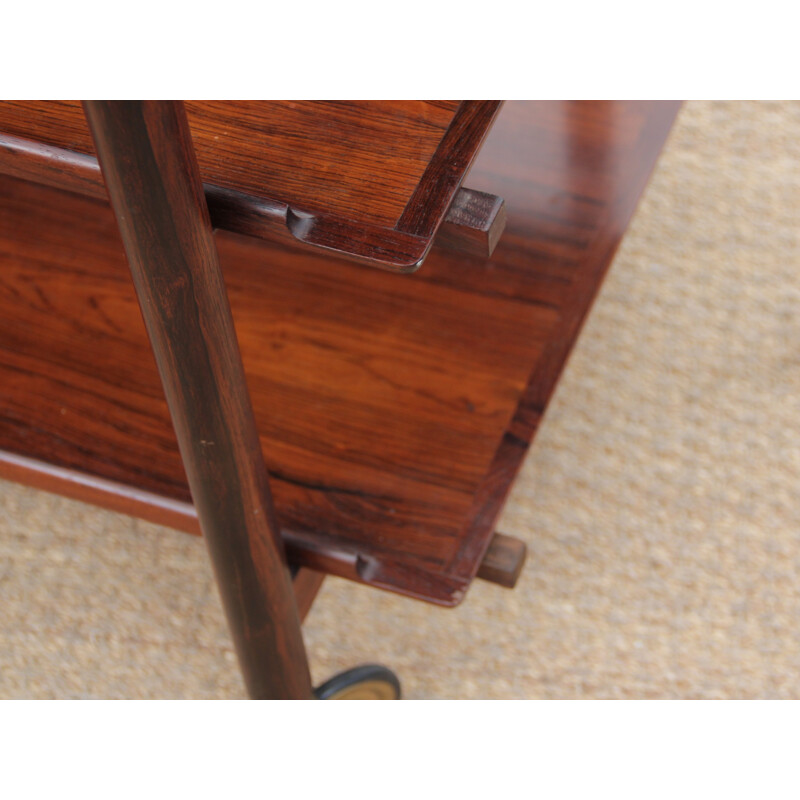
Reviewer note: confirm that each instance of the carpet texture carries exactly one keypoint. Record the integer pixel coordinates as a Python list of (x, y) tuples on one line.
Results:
[(659, 500)]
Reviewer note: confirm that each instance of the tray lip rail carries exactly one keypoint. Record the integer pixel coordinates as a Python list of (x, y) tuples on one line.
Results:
[(402, 248)]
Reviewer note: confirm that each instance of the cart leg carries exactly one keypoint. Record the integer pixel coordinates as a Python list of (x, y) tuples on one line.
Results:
[(146, 154)]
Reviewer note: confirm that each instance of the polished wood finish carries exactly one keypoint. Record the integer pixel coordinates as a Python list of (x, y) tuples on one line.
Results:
[(182, 517), (474, 223), (394, 411), (503, 561), (369, 180), (145, 151)]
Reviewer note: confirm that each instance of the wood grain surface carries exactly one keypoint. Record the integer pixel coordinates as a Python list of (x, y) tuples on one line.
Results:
[(503, 560), (394, 410), (369, 179), (474, 223), (146, 154)]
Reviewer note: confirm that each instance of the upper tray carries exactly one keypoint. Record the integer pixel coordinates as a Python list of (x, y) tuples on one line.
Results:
[(370, 180), (394, 410)]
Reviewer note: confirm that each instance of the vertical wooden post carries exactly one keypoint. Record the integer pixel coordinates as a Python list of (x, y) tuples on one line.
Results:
[(146, 154)]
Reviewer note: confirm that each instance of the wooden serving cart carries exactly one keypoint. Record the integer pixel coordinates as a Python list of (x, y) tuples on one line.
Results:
[(259, 380)]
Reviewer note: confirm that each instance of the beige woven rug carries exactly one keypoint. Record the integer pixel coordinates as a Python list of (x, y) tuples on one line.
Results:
[(660, 501)]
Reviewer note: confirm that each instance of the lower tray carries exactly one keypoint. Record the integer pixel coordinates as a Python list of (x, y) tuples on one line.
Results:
[(394, 410)]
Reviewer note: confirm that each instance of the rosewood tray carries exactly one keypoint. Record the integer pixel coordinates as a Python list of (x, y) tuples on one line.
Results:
[(394, 410), (371, 180)]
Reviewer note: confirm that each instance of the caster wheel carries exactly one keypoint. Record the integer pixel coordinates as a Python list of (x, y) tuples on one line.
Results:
[(368, 682)]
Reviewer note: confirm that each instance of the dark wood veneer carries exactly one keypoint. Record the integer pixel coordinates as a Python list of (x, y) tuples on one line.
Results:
[(369, 180), (503, 561), (394, 410), (145, 151), (474, 223)]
